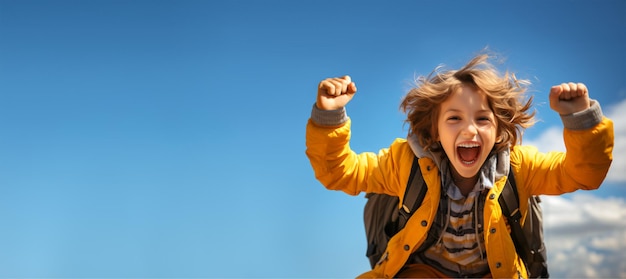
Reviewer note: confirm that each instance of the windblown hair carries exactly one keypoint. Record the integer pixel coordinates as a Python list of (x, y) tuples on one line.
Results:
[(505, 95)]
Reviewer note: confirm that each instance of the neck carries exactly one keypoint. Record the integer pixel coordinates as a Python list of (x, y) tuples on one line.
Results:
[(465, 184)]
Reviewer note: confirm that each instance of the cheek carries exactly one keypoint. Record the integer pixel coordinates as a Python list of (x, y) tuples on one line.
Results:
[(490, 136), (442, 135), (448, 144)]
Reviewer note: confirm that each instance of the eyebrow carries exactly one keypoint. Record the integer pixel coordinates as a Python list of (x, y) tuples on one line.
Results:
[(458, 110)]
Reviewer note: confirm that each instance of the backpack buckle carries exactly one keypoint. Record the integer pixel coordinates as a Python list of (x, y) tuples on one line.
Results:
[(406, 209), (516, 215)]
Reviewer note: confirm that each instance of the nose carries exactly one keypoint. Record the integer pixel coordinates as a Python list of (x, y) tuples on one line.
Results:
[(470, 130)]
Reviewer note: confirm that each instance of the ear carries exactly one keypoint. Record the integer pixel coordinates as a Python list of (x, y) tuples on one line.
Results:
[(499, 139)]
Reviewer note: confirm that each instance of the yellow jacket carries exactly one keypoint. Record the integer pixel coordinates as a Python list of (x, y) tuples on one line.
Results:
[(337, 167)]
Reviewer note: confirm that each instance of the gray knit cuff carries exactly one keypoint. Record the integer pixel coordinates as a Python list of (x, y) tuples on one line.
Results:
[(329, 118), (585, 119)]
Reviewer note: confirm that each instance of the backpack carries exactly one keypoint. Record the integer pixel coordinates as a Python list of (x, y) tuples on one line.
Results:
[(383, 219)]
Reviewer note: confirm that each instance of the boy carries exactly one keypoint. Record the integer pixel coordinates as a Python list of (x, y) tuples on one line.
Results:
[(465, 126)]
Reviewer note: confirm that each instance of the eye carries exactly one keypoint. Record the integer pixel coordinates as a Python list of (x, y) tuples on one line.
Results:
[(454, 118), (485, 120)]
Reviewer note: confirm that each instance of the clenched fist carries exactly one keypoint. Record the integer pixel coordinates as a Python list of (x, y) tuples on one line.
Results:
[(335, 93), (568, 98)]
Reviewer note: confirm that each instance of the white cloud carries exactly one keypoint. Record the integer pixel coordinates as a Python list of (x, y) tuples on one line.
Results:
[(617, 113), (585, 236), (552, 140)]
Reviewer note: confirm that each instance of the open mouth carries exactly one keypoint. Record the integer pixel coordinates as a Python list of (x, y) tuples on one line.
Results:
[(468, 152)]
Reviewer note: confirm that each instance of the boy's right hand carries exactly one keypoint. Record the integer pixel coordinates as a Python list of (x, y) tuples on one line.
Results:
[(335, 93)]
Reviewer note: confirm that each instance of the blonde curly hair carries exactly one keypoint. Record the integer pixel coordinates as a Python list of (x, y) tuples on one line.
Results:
[(505, 95)]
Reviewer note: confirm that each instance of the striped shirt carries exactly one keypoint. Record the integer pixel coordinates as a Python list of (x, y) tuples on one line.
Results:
[(459, 249)]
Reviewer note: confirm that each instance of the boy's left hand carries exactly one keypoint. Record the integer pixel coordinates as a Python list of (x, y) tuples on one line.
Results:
[(568, 98)]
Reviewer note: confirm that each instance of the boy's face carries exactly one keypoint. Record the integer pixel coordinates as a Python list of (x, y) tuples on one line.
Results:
[(467, 130)]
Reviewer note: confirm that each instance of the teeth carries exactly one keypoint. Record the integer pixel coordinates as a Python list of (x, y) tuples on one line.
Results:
[(469, 145)]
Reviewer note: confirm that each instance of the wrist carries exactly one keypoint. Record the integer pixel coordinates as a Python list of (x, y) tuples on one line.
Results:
[(584, 119), (328, 117)]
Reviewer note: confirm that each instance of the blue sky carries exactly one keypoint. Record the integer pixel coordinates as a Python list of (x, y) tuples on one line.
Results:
[(166, 138)]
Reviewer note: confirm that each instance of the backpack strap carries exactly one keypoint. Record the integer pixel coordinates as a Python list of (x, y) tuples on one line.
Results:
[(509, 202), (383, 217), (413, 195)]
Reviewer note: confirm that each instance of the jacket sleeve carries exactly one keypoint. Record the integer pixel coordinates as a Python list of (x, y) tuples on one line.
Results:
[(588, 137), (337, 167)]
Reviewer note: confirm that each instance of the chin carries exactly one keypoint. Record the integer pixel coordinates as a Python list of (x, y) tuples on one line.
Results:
[(467, 170)]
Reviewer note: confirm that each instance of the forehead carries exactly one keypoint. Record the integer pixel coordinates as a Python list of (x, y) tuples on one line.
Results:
[(466, 97)]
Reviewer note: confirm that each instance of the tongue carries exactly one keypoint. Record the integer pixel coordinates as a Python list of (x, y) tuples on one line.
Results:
[(468, 154)]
